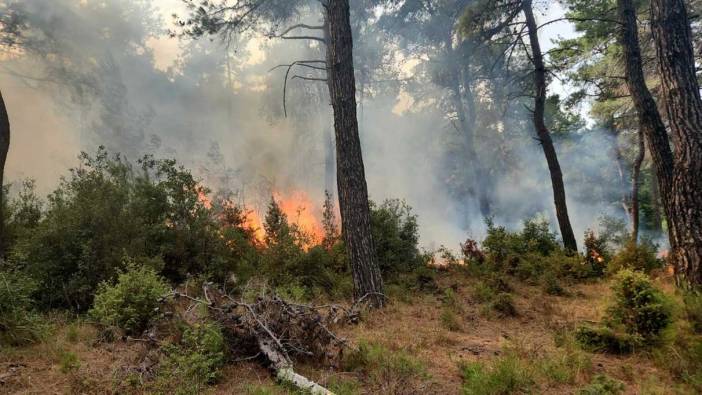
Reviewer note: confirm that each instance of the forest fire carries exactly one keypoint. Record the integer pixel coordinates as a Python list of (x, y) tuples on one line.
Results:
[(297, 206)]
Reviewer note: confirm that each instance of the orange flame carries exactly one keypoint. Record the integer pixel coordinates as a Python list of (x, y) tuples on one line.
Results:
[(297, 206), (300, 210), (202, 197)]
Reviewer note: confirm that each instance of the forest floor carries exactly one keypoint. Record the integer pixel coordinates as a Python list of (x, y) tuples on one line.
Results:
[(413, 325)]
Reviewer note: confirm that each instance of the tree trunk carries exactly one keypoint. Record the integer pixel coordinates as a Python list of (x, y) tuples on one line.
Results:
[(351, 178), (650, 122), (635, 182), (619, 161), (483, 181), (4, 148), (554, 168), (681, 97)]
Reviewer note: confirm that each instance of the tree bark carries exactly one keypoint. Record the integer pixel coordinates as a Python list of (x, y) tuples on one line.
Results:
[(554, 168), (681, 98), (635, 182), (351, 179), (4, 148)]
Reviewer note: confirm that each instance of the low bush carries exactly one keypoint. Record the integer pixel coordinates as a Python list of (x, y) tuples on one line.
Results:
[(68, 362), (189, 366), (636, 256), (602, 385), (132, 301), (392, 372), (638, 306), (503, 304), (19, 323), (682, 358), (396, 237), (693, 310), (504, 375), (603, 339), (552, 286)]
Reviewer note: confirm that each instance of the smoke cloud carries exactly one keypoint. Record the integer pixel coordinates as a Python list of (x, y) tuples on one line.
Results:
[(112, 77)]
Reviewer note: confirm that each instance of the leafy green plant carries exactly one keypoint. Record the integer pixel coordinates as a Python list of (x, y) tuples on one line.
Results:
[(603, 339), (396, 237), (602, 385), (132, 301), (693, 310), (189, 366), (638, 306), (504, 304), (68, 362), (504, 375), (393, 371), (636, 256), (19, 323)]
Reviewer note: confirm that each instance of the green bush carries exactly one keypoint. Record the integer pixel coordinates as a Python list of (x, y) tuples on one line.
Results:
[(189, 366), (641, 257), (19, 323), (603, 339), (682, 358), (638, 306), (504, 304), (693, 310), (106, 208), (132, 302), (391, 371), (68, 362), (505, 375), (552, 286), (532, 254), (602, 385), (396, 237)]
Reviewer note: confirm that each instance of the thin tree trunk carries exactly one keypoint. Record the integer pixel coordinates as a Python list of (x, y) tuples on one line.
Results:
[(619, 161), (635, 182), (559, 195), (681, 97), (4, 148), (650, 121), (483, 181), (351, 178)]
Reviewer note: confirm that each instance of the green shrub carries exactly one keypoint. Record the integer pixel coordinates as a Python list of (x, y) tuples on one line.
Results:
[(19, 323), (189, 366), (396, 237), (638, 306), (450, 319), (130, 303), (682, 358), (603, 339), (602, 385), (68, 362), (693, 310), (564, 366), (636, 256), (504, 375), (552, 286), (107, 208), (504, 304), (393, 371)]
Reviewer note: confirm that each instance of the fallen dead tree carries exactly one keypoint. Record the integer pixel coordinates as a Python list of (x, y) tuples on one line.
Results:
[(280, 331)]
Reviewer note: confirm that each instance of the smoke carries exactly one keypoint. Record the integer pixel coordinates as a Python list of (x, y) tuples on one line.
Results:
[(113, 78)]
